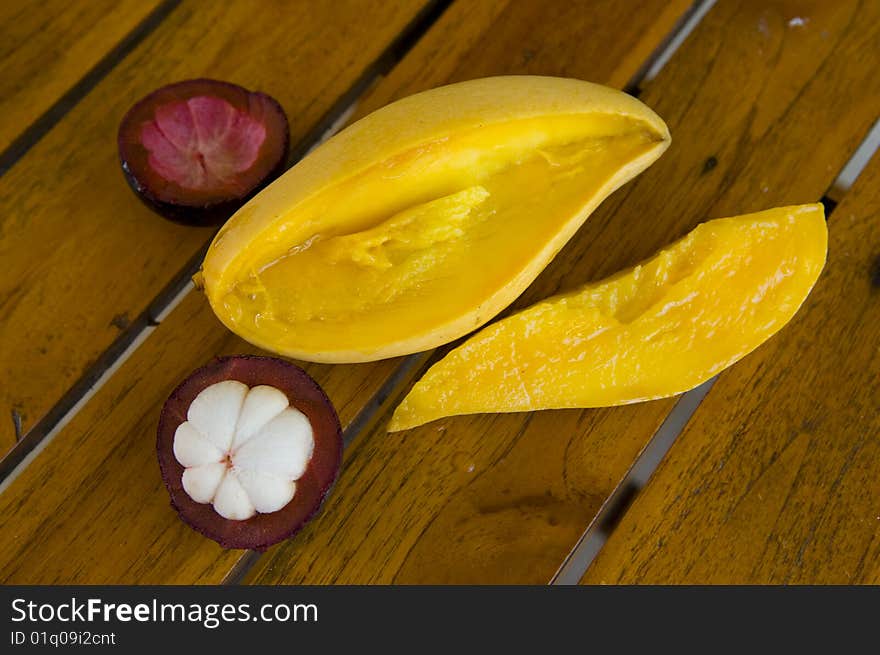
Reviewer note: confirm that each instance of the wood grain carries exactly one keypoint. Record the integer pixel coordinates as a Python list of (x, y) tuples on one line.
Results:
[(81, 256), (776, 480), (504, 498), (91, 508), (600, 41), (47, 47), (122, 534)]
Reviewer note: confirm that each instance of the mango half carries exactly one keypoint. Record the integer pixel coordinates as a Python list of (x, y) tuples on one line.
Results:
[(423, 220), (652, 331)]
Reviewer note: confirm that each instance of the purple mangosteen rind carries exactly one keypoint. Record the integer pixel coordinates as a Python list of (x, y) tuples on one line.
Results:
[(200, 209), (262, 530)]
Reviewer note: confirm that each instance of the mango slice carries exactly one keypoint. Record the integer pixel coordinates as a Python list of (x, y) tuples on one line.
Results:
[(422, 221), (655, 330)]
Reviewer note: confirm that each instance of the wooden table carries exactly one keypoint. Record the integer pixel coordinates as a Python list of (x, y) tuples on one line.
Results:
[(776, 476)]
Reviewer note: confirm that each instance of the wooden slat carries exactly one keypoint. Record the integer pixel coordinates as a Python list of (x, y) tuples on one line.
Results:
[(91, 508), (600, 41), (47, 47), (776, 480), (504, 498), (131, 534), (81, 255)]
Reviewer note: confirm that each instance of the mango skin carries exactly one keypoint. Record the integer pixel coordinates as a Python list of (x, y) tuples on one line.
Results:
[(655, 330), (277, 221)]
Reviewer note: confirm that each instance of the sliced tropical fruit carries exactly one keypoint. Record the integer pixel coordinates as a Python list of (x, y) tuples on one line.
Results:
[(423, 220), (655, 330)]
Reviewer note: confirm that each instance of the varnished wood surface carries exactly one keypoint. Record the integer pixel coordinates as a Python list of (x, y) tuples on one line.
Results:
[(118, 423), (600, 40), (505, 498), (82, 257), (91, 508), (47, 47), (489, 498), (777, 477)]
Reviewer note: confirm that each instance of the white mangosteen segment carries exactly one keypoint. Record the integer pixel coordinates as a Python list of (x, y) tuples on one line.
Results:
[(243, 449), (232, 501), (192, 448), (262, 404), (283, 447), (201, 482), (215, 411), (267, 492)]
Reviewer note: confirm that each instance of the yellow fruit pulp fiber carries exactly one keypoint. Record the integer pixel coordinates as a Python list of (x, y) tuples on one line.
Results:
[(655, 330), (418, 239)]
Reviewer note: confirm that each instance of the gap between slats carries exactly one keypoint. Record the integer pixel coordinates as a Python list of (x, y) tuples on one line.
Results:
[(38, 129), (655, 63), (638, 475), (41, 434)]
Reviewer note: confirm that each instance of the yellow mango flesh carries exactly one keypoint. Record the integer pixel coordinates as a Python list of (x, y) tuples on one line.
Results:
[(656, 330), (424, 243)]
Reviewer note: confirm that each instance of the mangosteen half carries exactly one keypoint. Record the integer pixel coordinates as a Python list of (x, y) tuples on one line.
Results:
[(248, 448), (195, 151)]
